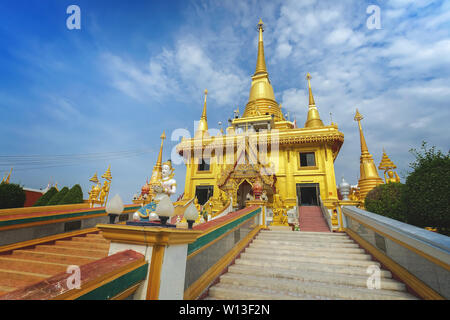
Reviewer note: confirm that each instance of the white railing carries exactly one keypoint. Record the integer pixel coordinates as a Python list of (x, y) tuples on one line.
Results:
[(424, 254), (326, 214)]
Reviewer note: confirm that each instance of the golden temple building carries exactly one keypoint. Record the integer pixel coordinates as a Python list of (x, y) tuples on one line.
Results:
[(295, 165)]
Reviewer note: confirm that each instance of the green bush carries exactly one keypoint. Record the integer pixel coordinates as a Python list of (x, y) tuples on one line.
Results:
[(75, 195), (427, 190), (11, 196), (387, 200), (56, 199), (45, 198)]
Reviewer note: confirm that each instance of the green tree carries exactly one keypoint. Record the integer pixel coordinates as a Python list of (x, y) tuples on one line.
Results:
[(58, 197), (11, 196), (45, 198), (427, 189), (387, 200), (75, 195)]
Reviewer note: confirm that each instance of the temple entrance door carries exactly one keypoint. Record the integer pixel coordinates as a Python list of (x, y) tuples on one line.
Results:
[(203, 193), (308, 194), (244, 188)]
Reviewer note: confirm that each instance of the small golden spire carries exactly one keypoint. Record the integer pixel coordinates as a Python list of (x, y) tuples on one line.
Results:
[(313, 119), (204, 106), (311, 97), (261, 61), (202, 128), (159, 161)]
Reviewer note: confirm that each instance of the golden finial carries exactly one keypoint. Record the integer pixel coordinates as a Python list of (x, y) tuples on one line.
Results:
[(260, 24), (204, 106), (358, 116), (107, 174), (311, 97), (261, 61)]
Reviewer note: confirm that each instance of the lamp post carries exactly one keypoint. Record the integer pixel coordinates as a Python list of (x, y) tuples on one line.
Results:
[(164, 210), (191, 214), (114, 208)]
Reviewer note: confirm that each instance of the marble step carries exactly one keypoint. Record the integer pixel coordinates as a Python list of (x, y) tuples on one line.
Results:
[(294, 247), (313, 288), (300, 243), (306, 259), (309, 253), (224, 291), (312, 266), (315, 276), (300, 238), (328, 234)]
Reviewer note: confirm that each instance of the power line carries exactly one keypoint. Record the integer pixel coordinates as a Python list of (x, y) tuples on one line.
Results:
[(34, 162)]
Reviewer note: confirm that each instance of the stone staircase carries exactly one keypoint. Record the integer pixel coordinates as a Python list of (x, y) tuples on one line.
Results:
[(23, 267), (290, 265), (311, 219)]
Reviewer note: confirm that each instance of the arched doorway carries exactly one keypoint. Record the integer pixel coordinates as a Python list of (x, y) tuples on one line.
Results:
[(243, 190)]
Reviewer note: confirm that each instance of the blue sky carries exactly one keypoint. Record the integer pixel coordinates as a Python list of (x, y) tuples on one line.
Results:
[(137, 68)]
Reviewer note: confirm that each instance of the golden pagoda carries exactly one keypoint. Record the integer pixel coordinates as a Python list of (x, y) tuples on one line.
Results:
[(369, 177), (294, 165)]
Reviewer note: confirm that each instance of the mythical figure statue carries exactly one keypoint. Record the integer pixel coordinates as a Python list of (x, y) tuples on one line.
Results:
[(163, 188), (104, 191), (168, 183)]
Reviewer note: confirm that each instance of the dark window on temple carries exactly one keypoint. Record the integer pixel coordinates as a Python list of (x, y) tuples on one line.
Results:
[(307, 159), (203, 193), (204, 165)]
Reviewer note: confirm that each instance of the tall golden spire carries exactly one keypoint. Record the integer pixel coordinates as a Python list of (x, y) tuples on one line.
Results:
[(359, 117), (159, 161), (261, 100), (157, 169), (369, 177), (260, 61), (313, 119), (202, 129)]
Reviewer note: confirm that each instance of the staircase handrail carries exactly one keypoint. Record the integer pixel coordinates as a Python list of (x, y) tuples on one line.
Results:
[(326, 214)]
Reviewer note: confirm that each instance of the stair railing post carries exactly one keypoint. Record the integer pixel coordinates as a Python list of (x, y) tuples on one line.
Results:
[(165, 250)]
